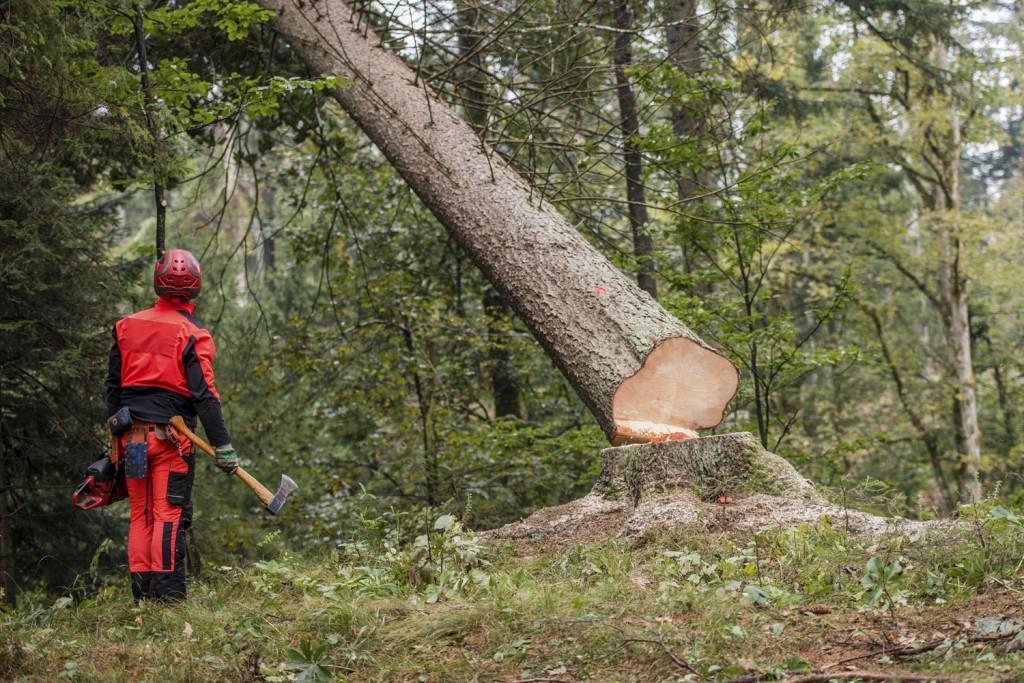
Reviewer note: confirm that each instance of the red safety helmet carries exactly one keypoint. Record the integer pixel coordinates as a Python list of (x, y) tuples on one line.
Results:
[(177, 274)]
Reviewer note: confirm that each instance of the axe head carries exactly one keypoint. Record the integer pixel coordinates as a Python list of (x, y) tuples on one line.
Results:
[(277, 502)]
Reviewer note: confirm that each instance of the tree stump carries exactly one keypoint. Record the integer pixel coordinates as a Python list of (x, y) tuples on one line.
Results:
[(727, 465), (717, 483)]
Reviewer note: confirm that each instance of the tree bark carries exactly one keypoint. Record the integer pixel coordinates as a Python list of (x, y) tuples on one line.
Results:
[(473, 93), (684, 54), (681, 40), (154, 133), (724, 464), (954, 299), (643, 245), (268, 223), (626, 357)]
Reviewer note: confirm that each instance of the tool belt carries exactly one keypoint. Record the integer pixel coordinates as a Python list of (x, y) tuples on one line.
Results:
[(136, 448), (104, 481), (139, 431)]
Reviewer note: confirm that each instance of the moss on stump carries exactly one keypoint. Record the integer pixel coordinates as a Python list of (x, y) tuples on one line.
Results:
[(731, 465)]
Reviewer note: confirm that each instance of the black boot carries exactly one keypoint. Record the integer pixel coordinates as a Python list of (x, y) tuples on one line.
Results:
[(142, 586)]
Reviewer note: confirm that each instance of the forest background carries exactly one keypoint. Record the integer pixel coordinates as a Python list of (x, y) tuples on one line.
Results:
[(831, 193)]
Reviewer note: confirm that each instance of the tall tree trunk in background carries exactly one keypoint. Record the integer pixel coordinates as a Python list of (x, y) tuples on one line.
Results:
[(643, 246), (235, 224), (428, 432), (148, 102), (928, 435), (954, 299), (473, 92), (1006, 408), (628, 359), (259, 261), (268, 219), (681, 39), (7, 583)]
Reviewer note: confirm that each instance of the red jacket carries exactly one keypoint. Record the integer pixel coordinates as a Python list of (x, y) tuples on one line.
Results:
[(161, 365)]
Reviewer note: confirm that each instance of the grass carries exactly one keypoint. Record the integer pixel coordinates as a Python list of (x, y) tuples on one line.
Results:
[(680, 606)]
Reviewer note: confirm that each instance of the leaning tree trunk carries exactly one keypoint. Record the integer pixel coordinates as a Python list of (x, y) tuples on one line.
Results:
[(636, 367)]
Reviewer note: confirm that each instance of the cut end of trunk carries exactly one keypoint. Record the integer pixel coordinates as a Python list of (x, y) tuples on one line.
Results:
[(638, 431), (683, 386)]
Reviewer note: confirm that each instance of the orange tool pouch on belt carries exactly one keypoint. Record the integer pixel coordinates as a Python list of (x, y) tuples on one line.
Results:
[(115, 450), (119, 423), (136, 451)]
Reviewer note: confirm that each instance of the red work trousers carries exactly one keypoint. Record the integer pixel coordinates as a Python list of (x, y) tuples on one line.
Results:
[(160, 507)]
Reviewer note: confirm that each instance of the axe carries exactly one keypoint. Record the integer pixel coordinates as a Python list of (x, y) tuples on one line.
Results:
[(273, 501)]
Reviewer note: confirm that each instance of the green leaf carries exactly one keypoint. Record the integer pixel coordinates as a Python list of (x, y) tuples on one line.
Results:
[(444, 523), (1000, 513), (755, 594)]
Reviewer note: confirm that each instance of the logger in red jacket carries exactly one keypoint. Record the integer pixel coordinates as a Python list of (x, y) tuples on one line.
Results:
[(161, 365)]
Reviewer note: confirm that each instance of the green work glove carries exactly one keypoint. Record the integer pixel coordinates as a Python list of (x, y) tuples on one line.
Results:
[(227, 459)]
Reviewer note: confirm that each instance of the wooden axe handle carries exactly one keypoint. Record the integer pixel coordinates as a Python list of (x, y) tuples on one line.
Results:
[(261, 491)]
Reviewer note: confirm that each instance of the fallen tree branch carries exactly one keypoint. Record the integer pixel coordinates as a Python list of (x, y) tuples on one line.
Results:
[(676, 659), (865, 676), (921, 649), (894, 652), (822, 677)]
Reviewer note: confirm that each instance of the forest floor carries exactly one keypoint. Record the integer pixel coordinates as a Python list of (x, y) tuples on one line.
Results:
[(807, 603)]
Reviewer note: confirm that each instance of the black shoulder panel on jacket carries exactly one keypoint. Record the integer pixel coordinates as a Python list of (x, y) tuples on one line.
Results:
[(192, 319)]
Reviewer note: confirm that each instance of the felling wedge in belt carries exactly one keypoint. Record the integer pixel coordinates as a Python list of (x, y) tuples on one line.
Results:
[(273, 501)]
